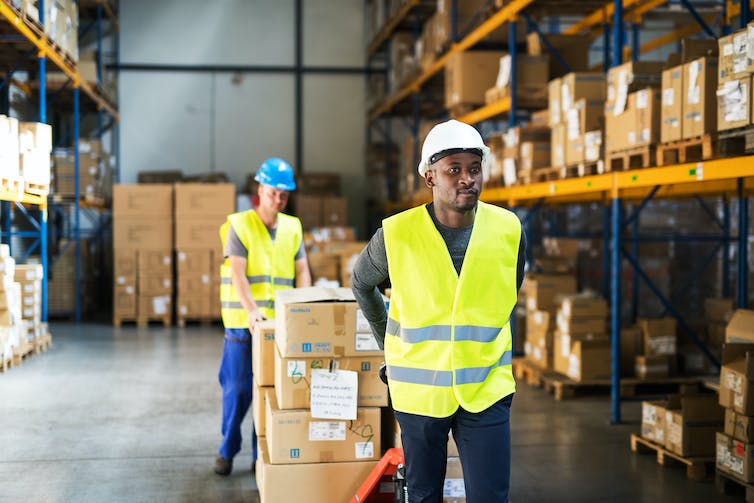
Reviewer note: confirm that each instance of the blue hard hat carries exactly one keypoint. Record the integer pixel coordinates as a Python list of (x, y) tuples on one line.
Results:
[(277, 173)]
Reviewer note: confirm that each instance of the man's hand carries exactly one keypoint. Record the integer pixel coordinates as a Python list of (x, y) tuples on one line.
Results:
[(254, 317)]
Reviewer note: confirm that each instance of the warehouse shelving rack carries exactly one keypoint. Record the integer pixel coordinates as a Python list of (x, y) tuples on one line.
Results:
[(727, 178), (27, 38)]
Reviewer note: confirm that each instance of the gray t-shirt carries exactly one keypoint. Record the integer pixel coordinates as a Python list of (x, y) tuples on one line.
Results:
[(371, 270), (235, 248)]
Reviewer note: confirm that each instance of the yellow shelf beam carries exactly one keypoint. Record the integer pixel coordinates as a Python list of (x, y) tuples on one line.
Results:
[(487, 112), (26, 198), (600, 16), (390, 27), (47, 51), (505, 14)]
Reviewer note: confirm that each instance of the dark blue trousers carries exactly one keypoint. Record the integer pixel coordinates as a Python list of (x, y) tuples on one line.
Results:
[(484, 448), (236, 381)]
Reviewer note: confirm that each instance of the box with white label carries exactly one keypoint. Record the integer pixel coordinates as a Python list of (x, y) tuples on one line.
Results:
[(294, 436), (454, 489), (321, 322), (293, 379), (154, 306), (735, 457)]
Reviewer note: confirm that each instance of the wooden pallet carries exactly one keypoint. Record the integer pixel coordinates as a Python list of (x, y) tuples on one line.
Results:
[(42, 344), (545, 174), (36, 189), (14, 185), (22, 352), (583, 169), (697, 468), (725, 483), (527, 371), (141, 321), (181, 322), (633, 158), (700, 148), (734, 142)]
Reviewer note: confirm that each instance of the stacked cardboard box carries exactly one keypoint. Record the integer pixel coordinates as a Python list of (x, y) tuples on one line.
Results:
[(582, 347), (717, 312), (317, 332), (9, 148), (61, 22), (29, 277), (200, 210), (684, 424), (95, 172), (35, 146), (734, 92), (735, 445), (317, 202), (142, 252), (12, 334), (521, 150), (531, 74), (659, 343), (542, 293)]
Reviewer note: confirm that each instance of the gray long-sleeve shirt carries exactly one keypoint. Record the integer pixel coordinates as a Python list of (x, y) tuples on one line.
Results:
[(371, 270)]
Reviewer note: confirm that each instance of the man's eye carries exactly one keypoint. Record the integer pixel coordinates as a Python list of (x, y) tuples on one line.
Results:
[(454, 171), (475, 170)]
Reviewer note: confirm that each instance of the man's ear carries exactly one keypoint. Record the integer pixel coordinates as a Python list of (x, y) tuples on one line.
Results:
[(429, 179)]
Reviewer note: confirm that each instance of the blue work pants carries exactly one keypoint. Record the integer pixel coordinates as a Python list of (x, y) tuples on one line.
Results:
[(483, 441)]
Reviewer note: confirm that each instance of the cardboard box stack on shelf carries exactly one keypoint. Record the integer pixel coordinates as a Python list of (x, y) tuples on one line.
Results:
[(685, 425), (734, 92), (532, 71), (659, 348), (200, 210), (29, 277), (582, 346), (307, 429), (517, 152), (735, 444), (9, 155), (35, 146), (542, 293), (143, 253), (61, 22), (95, 173), (317, 201)]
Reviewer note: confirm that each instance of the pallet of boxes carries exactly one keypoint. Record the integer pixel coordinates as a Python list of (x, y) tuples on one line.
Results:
[(143, 253), (200, 211), (332, 254), (317, 397), (735, 444), (95, 173), (10, 174), (35, 147)]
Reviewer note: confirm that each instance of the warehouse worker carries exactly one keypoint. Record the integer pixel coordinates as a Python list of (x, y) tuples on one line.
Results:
[(455, 267), (264, 252)]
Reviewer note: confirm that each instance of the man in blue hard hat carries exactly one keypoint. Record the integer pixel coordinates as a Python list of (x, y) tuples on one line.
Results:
[(264, 252)]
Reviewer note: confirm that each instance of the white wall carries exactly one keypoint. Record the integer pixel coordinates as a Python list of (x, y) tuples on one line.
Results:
[(167, 117)]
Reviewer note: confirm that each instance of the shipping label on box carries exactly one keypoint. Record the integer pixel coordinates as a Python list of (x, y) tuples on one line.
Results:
[(316, 322), (735, 457), (294, 436), (292, 379), (154, 306), (672, 104), (653, 421), (734, 104)]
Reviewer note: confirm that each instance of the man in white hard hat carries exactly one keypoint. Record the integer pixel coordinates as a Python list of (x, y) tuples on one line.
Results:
[(455, 267)]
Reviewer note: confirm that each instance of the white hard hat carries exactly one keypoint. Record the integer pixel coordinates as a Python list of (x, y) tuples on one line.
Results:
[(451, 137)]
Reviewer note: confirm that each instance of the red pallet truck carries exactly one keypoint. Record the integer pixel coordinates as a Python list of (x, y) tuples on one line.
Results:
[(390, 473)]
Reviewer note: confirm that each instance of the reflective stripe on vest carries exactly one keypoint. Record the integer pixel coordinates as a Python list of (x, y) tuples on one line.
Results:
[(448, 340), (270, 266)]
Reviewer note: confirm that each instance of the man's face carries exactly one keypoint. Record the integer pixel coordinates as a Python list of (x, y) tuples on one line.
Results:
[(456, 181), (272, 199)]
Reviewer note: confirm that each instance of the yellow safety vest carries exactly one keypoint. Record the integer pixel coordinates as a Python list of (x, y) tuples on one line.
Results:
[(448, 339), (270, 265)]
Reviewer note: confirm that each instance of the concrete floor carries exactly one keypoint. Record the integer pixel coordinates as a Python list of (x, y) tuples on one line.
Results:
[(134, 415)]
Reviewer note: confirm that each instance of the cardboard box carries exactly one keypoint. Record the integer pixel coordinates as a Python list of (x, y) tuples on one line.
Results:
[(700, 102), (558, 145), (589, 359), (155, 284), (740, 328), (324, 265), (578, 86), (537, 322), (542, 291), (620, 129), (652, 367), (309, 210), (293, 436), (198, 233), (581, 306), (124, 301), (671, 113), (293, 375), (628, 78), (312, 482), (659, 336), (691, 423), (468, 75), (263, 353), (144, 200), (718, 310), (204, 199), (156, 261), (334, 211), (195, 261), (739, 426), (734, 103), (572, 49), (534, 155), (554, 107), (195, 285), (736, 376), (154, 306), (454, 489), (193, 306), (138, 233), (716, 334), (259, 396), (321, 322), (734, 54), (648, 104), (35, 136), (695, 48), (124, 267), (653, 421), (596, 327), (631, 346), (735, 457)]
